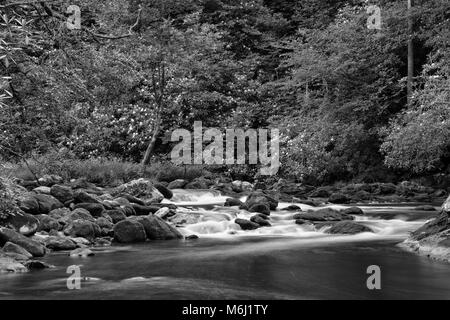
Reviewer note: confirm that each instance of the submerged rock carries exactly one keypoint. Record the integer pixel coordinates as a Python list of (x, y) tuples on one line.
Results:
[(81, 252), (353, 211), (348, 227), (325, 214)]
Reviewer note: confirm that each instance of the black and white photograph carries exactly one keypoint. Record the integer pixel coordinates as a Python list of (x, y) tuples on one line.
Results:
[(221, 156)]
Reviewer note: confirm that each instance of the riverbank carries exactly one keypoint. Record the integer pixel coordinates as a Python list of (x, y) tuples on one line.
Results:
[(77, 216)]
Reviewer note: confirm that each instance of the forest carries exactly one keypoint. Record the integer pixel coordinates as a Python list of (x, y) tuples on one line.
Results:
[(109, 91)]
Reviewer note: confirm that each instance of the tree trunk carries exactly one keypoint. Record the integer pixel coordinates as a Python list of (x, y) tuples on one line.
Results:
[(410, 53), (151, 145)]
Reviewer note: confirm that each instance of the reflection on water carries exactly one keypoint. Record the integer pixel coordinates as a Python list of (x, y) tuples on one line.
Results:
[(285, 261)]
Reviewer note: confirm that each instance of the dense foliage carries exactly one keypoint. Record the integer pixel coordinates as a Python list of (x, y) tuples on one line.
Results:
[(136, 70)]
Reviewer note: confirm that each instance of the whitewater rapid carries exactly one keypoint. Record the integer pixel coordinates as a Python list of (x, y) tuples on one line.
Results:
[(201, 212)]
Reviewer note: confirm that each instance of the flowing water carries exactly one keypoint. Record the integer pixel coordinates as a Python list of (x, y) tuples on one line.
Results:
[(285, 261)]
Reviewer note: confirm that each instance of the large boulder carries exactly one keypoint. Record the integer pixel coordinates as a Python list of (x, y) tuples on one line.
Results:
[(261, 197), (129, 231), (348, 227), (62, 193), (353, 211), (77, 214), (32, 246), (438, 224), (81, 196), (47, 223), (81, 228), (59, 243), (39, 203), (325, 214), (10, 247), (140, 188), (157, 229), (116, 215), (95, 209), (23, 223), (261, 208)]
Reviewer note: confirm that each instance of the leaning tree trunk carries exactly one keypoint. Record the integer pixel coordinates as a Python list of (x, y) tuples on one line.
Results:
[(151, 146), (410, 53)]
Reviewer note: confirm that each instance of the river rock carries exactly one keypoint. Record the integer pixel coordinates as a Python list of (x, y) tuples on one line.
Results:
[(144, 210), (42, 190), (95, 209), (81, 252), (177, 184), (60, 243), (59, 213), (158, 229), (348, 227), (292, 207), (231, 202), (77, 214), (246, 225), (141, 188), (130, 199), (164, 191), (47, 223), (116, 215), (10, 247), (81, 196), (261, 221), (325, 214), (103, 222), (164, 213), (338, 198), (81, 228), (353, 211), (261, 208), (29, 204), (36, 265), (320, 193), (8, 264), (438, 224), (62, 193), (32, 246), (23, 223), (446, 205), (129, 231), (260, 197)]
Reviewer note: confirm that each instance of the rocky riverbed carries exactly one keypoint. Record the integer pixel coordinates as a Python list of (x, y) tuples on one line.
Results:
[(76, 216)]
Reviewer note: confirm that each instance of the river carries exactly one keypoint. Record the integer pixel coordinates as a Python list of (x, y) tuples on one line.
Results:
[(285, 261)]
